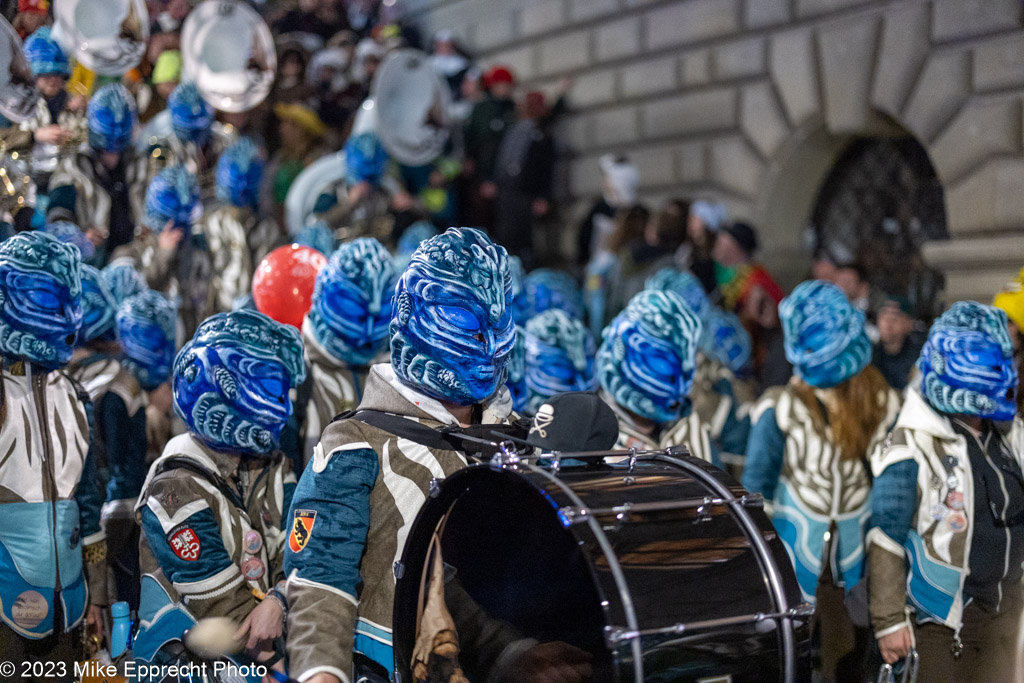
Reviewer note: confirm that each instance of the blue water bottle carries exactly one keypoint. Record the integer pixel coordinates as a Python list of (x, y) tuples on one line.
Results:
[(120, 631)]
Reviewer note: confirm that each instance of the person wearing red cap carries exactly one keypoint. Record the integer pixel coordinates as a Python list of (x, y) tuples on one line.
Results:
[(31, 16), (490, 119)]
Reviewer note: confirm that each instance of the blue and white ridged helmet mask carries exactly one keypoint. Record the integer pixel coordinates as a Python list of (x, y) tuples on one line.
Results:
[(409, 242), (351, 311), (316, 236), (40, 299), (173, 195), (648, 356), (111, 118), (365, 159), (559, 357), (191, 116), (545, 288), (123, 280), (451, 333), (726, 340), (44, 55), (686, 285), (231, 381), (146, 327), (825, 338), (239, 172), (967, 363), (98, 308), (515, 372)]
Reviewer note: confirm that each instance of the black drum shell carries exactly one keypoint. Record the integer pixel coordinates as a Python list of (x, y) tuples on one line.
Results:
[(524, 563)]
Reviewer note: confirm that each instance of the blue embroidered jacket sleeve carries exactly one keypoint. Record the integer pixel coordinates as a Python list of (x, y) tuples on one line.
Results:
[(186, 541), (893, 505), (323, 574), (765, 451), (735, 431)]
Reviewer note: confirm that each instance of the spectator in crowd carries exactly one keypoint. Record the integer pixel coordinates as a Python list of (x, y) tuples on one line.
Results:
[(646, 366), (322, 18), (702, 223), (524, 176), (807, 454), (947, 513), (32, 15), (290, 85), (449, 62), (630, 227), (166, 77), (852, 278), (301, 132), (46, 417), (620, 180), (490, 120), (898, 346)]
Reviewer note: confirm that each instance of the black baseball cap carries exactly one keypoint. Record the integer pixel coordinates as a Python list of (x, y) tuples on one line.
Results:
[(575, 421)]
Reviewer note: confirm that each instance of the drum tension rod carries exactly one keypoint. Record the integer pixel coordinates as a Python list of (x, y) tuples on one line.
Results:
[(575, 514), (614, 635)]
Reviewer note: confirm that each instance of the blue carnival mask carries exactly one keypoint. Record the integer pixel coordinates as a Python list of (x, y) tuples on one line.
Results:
[(111, 118), (239, 171), (684, 284), (145, 327), (726, 340), (967, 363), (544, 289), (451, 333), (40, 298), (365, 159), (515, 372), (824, 335), (231, 381), (351, 310), (173, 195), (44, 55), (559, 357), (98, 308), (191, 117), (648, 356), (123, 280)]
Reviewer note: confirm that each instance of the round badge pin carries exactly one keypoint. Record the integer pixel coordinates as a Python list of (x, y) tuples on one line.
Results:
[(955, 500), (938, 512), (952, 482), (252, 568), (253, 542), (957, 522), (951, 461)]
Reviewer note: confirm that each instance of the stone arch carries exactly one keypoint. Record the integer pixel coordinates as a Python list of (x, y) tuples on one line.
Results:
[(858, 77)]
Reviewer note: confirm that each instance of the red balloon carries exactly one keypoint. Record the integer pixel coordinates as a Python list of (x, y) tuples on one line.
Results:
[(283, 284)]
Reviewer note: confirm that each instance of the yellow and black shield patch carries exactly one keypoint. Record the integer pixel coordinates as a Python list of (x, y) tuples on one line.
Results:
[(302, 529)]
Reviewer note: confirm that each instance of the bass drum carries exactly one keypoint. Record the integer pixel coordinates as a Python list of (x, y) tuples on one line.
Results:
[(660, 568)]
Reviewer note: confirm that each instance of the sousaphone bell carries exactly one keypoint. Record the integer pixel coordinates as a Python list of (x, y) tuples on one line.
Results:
[(108, 37), (228, 52), (411, 103), (18, 94)]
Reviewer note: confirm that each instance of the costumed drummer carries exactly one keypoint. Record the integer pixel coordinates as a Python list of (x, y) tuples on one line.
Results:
[(713, 396), (213, 506), (645, 365), (451, 335), (344, 332), (807, 456), (947, 508), (173, 258), (53, 568), (559, 357), (102, 189)]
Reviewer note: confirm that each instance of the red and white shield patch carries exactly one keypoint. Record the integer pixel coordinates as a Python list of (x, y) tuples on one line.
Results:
[(185, 543)]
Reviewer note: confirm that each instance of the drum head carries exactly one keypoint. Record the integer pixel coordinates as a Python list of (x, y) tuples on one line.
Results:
[(18, 94), (517, 563), (106, 36)]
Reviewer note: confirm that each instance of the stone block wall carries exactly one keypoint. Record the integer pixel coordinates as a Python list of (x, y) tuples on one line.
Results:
[(750, 102)]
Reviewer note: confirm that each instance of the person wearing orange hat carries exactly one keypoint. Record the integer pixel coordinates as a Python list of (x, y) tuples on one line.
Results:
[(490, 119), (32, 15)]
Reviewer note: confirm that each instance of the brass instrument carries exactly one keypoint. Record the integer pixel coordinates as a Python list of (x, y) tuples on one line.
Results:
[(106, 36), (18, 95)]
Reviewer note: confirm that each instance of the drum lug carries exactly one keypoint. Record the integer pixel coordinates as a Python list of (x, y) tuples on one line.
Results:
[(702, 512), (505, 461), (399, 569), (573, 515), (435, 487)]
